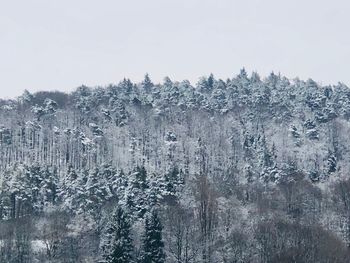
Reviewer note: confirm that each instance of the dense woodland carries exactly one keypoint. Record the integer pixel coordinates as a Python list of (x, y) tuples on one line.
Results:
[(238, 170)]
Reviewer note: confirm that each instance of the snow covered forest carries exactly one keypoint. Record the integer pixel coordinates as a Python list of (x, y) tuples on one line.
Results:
[(247, 169)]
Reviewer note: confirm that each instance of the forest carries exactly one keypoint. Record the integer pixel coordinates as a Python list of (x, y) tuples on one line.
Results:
[(246, 169)]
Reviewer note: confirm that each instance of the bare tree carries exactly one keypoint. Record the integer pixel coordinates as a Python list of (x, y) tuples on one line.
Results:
[(206, 215)]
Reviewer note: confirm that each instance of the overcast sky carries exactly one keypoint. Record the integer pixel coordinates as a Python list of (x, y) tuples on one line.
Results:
[(59, 45)]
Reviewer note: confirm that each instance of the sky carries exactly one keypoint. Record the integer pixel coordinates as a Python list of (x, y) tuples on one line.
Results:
[(62, 44)]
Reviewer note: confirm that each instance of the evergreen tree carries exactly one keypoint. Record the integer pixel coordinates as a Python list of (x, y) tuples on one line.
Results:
[(243, 74), (26, 97), (119, 247), (147, 83), (173, 179), (211, 81), (331, 162), (205, 85), (48, 186), (153, 245), (140, 178), (136, 192), (72, 191), (96, 191), (167, 82)]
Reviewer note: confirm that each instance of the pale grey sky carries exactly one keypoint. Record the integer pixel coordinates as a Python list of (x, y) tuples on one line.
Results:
[(61, 44)]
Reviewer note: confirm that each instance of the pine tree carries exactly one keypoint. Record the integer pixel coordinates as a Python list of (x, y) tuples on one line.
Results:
[(95, 191), (119, 247), (48, 186), (331, 162), (205, 85), (153, 245), (243, 74), (140, 178), (167, 82), (211, 81), (173, 179), (72, 191), (147, 83)]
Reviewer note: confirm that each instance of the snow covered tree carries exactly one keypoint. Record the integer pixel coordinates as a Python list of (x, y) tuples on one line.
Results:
[(331, 162), (97, 191), (342, 199), (311, 130), (50, 106), (140, 178), (147, 83), (48, 186), (153, 245), (207, 216), (72, 191), (167, 82), (119, 245), (26, 97), (136, 194), (173, 180), (206, 84), (135, 146)]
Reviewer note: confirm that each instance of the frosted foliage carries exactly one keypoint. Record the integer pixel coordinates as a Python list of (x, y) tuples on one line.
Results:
[(247, 169)]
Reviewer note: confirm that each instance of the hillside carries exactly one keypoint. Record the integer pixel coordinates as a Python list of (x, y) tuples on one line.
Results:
[(238, 170)]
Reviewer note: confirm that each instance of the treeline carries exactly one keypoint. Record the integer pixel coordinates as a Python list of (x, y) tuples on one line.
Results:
[(238, 170), (104, 214), (91, 126), (32, 189)]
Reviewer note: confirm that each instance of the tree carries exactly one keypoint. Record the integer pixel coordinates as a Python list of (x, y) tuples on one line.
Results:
[(136, 192), (119, 246), (331, 162), (167, 82), (54, 235), (147, 83), (180, 234), (15, 239), (342, 197), (173, 179), (140, 178), (205, 85), (211, 81), (207, 215), (153, 245), (96, 191), (48, 187), (72, 191)]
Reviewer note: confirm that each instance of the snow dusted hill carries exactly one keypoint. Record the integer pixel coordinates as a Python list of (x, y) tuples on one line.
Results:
[(236, 170)]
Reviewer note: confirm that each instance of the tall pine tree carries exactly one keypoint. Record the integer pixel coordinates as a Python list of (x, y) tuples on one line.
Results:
[(153, 245), (119, 247)]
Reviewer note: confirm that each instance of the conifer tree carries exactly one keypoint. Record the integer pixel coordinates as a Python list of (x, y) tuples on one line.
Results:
[(147, 83), (119, 247), (331, 162), (153, 245)]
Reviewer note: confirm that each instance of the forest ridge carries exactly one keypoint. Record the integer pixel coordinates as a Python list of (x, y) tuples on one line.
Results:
[(238, 170)]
